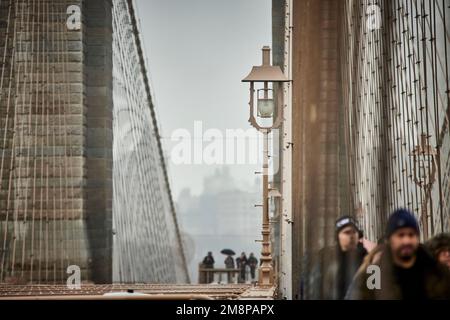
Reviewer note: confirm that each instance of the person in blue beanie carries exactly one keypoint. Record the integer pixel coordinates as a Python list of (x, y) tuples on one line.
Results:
[(401, 268)]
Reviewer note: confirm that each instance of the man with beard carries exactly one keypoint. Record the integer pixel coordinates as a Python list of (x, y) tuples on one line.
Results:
[(406, 270)]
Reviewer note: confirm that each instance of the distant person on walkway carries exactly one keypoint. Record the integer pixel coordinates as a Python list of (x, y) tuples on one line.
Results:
[(252, 263), (208, 263), (241, 263), (406, 271), (439, 247), (229, 264)]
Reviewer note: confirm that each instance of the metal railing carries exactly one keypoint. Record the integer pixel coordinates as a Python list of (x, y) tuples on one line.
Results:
[(223, 275)]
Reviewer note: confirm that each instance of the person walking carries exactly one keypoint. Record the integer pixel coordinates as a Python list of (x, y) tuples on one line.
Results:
[(241, 263), (208, 263), (406, 271), (333, 272), (229, 264), (252, 263)]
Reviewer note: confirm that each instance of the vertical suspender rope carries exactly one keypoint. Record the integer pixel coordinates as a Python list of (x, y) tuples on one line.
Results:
[(439, 103), (21, 192), (5, 126), (385, 183), (355, 103), (447, 91), (422, 84), (63, 141), (421, 60), (417, 94), (389, 80), (14, 167), (6, 133), (68, 156), (57, 155), (47, 134), (433, 55), (375, 233), (410, 54), (36, 138), (373, 45), (391, 105), (399, 114), (19, 118), (395, 109), (25, 191), (47, 149), (407, 102), (50, 155), (427, 186), (41, 135), (407, 88), (428, 198), (412, 58)]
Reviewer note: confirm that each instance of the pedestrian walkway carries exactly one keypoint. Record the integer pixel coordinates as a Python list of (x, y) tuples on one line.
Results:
[(125, 291)]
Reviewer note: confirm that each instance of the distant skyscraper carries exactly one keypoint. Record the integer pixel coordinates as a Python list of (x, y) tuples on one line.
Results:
[(220, 217), (83, 181)]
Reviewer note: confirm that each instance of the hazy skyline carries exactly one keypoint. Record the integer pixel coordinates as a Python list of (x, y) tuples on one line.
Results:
[(198, 51)]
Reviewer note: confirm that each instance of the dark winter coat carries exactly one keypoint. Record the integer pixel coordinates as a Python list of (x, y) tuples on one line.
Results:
[(241, 262), (208, 262), (229, 262), (252, 262), (433, 278), (334, 271)]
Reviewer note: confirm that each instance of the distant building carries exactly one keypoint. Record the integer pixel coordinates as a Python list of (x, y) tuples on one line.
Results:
[(222, 216)]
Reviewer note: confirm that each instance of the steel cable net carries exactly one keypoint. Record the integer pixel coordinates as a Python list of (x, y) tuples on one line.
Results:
[(146, 247), (64, 183), (392, 59), (40, 191), (395, 76)]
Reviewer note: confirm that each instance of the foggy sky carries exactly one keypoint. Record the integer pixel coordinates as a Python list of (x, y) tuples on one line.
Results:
[(198, 51)]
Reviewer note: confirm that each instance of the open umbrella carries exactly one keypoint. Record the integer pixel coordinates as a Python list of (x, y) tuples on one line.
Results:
[(228, 252)]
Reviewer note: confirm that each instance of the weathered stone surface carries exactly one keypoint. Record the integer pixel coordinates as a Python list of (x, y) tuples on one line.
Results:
[(56, 176)]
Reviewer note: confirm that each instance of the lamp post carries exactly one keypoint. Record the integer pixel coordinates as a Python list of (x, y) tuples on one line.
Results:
[(424, 174), (424, 157), (263, 80)]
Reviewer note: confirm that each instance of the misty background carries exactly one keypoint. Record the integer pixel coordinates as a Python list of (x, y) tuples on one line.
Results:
[(197, 53)]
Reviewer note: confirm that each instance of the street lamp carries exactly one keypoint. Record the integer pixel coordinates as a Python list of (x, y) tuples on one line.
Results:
[(424, 174), (264, 79), (424, 157)]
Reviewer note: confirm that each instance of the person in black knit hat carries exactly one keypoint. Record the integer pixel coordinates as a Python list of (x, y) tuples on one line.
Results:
[(406, 270), (338, 264)]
